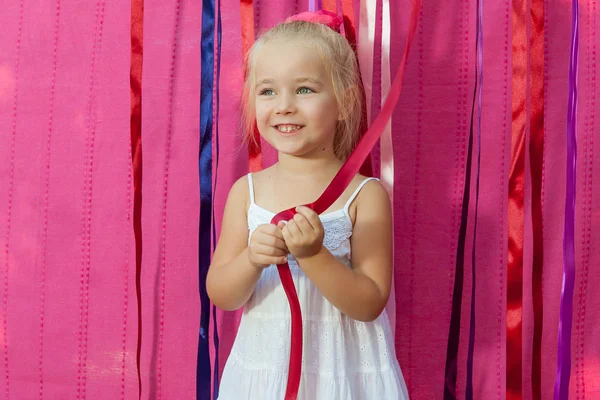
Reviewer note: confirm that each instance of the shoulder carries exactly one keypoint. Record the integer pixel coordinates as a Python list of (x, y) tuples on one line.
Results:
[(372, 190), (239, 192), (372, 200)]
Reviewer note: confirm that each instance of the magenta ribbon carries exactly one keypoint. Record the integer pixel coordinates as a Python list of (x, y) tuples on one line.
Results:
[(563, 370)]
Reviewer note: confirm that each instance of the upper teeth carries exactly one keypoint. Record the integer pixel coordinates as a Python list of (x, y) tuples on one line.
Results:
[(287, 128)]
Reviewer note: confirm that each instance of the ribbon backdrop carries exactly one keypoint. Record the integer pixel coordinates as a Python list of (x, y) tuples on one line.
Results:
[(79, 205)]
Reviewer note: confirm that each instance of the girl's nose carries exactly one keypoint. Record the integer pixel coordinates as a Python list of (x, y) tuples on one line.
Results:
[(286, 105)]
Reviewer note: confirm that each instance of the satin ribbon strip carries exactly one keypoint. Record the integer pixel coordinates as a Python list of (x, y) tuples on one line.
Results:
[(328, 197), (456, 312), (375, 104), (479, 86), (366, 40), (135, 87), (387, 145), (563, 371), (203, 368), (536, 157), (349, 30), (215, 171), (329, 5), (516, 182), (248, 37)]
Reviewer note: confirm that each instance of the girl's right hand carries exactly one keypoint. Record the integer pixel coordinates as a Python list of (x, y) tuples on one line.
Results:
[(267, 246)]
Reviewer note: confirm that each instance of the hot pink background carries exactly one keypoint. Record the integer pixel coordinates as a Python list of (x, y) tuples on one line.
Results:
[(68, 321)]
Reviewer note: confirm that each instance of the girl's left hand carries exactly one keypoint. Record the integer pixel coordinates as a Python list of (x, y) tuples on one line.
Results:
[(304, 233)]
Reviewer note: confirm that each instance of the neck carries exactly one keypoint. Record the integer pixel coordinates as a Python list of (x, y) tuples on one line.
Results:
[(324, 166)]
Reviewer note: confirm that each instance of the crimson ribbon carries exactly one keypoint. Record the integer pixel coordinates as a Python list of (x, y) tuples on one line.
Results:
[(536, 157), (328, 197), (135, 86), (563, 371), (514, 312)]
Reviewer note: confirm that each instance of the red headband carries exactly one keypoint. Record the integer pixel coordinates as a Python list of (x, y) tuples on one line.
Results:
[(330, 19)]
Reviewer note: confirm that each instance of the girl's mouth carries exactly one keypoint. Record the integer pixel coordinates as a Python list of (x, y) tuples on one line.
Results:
[(288, 129)]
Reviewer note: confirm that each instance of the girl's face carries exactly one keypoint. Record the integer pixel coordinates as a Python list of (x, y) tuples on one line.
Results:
[(296, 108)]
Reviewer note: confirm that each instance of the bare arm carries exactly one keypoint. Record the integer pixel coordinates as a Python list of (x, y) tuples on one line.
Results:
[(363, 291), (236, 267), (231, 278)]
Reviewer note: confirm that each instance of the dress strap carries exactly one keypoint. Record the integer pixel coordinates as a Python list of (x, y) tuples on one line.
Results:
[(251, 188), (353, 196)]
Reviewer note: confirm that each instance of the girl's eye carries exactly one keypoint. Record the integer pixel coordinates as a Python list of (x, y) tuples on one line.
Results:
[(304, 90), (266, 92)]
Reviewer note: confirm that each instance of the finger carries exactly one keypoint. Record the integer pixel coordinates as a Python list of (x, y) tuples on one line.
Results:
[(303, 225), (270, 260), (273, 241), (268, 251), (311, 216), (269, 228), (287, 235), (292, 227)]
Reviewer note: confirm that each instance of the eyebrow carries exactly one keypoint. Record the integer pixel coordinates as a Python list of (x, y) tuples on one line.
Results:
[(269, 81)]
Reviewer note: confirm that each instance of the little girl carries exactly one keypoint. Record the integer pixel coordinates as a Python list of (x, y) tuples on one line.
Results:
[(303, 94)]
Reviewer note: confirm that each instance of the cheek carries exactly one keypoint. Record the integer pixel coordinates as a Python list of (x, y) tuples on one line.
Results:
[(262, 114), (325, 113)]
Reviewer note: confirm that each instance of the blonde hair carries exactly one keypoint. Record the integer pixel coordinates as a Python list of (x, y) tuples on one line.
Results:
[(340, 61)]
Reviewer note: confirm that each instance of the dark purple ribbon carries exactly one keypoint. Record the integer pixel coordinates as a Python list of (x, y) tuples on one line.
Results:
[(479, 75), (207, 54), (563, 370)]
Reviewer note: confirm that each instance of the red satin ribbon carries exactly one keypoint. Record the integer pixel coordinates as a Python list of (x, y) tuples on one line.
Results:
[(248, 36), (135, 84), (331, 193), (514, 312), (536, 156)]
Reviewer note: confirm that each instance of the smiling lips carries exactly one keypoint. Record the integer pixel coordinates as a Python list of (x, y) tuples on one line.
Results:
[(288, 129)]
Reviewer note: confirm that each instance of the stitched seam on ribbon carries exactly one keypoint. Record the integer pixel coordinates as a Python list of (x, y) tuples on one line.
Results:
[(11, 180), (163, 242), (592, 116), (502, 182), (257, 16), (546, 62), (587, 198), (459, 158), (413, 235), (87, 210), (46, 178)]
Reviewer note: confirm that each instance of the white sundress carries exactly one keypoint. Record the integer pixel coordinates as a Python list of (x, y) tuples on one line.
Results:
[(343, 359)]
